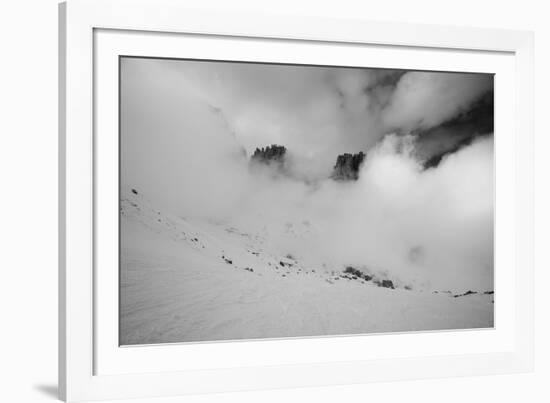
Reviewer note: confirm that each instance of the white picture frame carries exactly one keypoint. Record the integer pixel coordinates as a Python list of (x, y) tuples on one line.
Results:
[(94, 33)]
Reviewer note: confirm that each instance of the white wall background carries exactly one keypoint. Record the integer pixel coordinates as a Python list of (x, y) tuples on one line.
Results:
[(28, 199)]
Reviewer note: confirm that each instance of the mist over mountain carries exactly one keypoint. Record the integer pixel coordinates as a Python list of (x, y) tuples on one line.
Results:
[(383, 177), (269, 154), (347, 166)]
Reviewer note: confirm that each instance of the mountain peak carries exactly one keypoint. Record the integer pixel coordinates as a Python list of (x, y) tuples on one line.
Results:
[(347, 166), (272, 153)]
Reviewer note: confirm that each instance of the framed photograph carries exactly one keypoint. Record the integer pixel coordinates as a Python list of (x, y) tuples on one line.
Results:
[(263, 202)]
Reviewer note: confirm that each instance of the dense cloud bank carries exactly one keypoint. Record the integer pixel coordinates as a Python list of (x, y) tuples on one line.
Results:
[(189, 128)]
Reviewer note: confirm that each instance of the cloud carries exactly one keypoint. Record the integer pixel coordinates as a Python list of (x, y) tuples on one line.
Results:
[(446, 213), (423, 100), (186, 126), (431, 229), (174, 145), (317, 112)]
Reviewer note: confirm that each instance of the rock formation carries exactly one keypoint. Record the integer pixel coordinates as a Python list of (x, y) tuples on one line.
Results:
[(269, 154), (347, 166)]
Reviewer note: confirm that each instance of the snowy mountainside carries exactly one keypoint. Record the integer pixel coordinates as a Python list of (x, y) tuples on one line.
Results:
[(189, 279)]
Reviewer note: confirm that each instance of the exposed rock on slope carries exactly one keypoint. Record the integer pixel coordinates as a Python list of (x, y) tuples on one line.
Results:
[(193, 279)]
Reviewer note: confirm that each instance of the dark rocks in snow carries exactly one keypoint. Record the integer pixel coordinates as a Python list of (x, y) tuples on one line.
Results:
[(228, 261), (386, 284), (469, 292), (357, 273), (249, 269), (347, 166), (270, 154), (351, 273), (352, 270)]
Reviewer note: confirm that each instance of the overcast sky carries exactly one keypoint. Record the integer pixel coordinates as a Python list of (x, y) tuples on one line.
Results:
[(316, 112)]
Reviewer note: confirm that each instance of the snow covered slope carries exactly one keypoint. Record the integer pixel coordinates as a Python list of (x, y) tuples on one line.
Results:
[(186, 280)]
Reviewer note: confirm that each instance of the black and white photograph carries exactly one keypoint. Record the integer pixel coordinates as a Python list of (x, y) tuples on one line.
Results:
[(261, 201)]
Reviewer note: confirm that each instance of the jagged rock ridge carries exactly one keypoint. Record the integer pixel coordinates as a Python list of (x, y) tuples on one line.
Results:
[(269, 154), (347, 166)]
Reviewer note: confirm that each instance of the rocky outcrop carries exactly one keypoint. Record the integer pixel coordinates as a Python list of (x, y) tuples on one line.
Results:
[(436, 158), (270, 154), (436, 143), (347, 166), (351, 273)]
